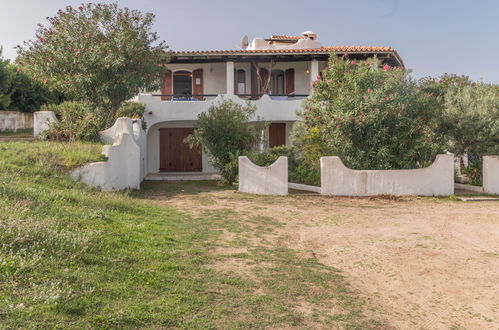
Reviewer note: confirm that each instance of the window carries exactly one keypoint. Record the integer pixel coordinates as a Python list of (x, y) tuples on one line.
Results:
[(182, 84), (240, 82), (277, 83)]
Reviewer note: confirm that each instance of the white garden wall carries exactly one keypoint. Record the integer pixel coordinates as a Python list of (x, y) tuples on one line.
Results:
[(270, 180), (435, 180), (491, 174), (15, 120), (125, 165)]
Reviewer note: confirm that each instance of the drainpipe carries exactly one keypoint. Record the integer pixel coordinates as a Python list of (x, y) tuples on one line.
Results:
[(230, 78)]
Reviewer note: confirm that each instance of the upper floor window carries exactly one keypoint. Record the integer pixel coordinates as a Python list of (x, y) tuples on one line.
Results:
[(240, 82), (182, 83), (276, 86)]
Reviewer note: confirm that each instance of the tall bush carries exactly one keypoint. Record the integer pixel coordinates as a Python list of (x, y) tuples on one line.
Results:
[(5, 82), (224, 133), (371, 115), (76, 122)]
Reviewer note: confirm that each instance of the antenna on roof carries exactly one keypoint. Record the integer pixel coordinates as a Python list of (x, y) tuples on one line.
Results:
[(244, 42)]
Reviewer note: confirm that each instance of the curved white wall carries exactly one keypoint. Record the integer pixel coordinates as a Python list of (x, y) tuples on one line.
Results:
[(270, 180), (435, 180), (124, 167)]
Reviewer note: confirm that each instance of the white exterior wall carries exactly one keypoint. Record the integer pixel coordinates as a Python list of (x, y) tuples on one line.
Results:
[(491, 174), (270, 180), (124, 167), (184, 114), (14, 120), (435, 180)]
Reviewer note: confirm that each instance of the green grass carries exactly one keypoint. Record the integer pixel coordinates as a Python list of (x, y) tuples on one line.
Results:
[(18, 133), (76, 257)]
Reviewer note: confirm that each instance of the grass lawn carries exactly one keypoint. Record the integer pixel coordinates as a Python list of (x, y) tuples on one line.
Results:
[(75, 257), (19, 133)]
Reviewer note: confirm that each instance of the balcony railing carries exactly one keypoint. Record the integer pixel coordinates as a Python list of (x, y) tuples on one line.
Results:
[(201, 97)]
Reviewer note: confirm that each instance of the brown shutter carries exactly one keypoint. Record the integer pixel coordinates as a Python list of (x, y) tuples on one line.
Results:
[(167, 86), (290, 81), (254, 82), (197, 82)]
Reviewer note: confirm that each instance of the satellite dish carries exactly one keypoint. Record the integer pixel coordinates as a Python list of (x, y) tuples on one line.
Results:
[(244, 42)]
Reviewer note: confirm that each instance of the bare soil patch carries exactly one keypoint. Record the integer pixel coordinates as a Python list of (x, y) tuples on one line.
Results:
[(421, 262)]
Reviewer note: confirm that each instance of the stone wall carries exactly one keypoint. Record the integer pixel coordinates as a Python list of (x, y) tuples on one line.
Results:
[(15, 120)]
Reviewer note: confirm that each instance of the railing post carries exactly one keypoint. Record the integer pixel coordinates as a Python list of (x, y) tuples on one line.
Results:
[(230, 78)]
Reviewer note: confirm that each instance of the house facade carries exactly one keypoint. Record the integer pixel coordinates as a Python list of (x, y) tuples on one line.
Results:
[(275, 74)]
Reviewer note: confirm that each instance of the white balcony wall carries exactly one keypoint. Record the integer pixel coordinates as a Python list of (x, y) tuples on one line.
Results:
[(266, 109)]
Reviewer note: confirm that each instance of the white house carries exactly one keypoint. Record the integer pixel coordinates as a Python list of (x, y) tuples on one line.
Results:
[(274, 73)]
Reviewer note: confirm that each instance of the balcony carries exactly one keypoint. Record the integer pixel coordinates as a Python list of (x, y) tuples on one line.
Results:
[(187, 108)]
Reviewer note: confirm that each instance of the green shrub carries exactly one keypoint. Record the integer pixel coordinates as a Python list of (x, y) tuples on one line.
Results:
[(28, 95), (298, 172), (77, 121), (224, 133), (371, 115), (134, 110), (5, 82)]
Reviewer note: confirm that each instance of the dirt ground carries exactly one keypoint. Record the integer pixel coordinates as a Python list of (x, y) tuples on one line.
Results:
[(421, 263)]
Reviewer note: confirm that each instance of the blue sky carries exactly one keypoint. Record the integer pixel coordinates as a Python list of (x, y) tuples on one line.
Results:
[(431, 36)]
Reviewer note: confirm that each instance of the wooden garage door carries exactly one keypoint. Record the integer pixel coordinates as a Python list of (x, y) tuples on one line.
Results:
[(174, 154), (277, 134)]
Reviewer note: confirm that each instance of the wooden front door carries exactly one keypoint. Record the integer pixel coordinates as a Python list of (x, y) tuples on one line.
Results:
[(174, 154), (277, 134)]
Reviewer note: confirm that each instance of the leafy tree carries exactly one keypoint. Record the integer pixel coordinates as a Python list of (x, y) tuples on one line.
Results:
[(470, 119), (224, 134), (29, 95), (97, 53), (371, 115), (5, 82)]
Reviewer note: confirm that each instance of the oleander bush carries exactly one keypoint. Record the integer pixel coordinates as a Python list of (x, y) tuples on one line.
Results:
[(371, 115)]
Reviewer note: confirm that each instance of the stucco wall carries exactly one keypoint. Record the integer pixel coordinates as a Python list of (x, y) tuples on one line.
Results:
[(123, 168), (491, 174), (14, 120), (435, 180), (270, 180)]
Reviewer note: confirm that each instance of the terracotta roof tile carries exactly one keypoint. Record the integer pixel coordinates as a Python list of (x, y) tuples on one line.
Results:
[(325, 49), (320, 50)]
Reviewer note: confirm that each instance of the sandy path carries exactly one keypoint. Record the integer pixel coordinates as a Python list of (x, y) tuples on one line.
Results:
[(424, 264)]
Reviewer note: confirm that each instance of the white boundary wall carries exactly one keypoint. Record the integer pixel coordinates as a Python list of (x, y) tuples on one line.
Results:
[(435, 180), (14, 120), (270, 180), (124, 167), (41, 120), (491, 174)]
